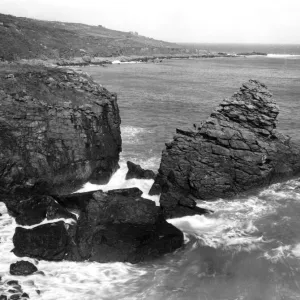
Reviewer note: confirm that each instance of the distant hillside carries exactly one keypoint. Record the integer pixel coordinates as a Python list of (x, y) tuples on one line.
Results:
[(29, 38)]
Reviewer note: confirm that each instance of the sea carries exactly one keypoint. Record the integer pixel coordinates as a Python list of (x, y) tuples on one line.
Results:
[(247, 249)]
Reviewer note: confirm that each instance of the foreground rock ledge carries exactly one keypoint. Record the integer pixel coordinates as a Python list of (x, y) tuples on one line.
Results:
[(116, 226), (58, 129), (236, 149)]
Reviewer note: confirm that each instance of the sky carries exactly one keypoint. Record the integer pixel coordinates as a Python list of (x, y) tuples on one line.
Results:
[(195, 21)]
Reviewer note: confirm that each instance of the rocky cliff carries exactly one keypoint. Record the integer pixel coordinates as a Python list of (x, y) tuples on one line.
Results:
[(58, 129), (236, 149)]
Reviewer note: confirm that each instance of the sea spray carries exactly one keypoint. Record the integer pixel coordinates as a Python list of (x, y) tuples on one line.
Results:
[(234, 239), (118, 181)]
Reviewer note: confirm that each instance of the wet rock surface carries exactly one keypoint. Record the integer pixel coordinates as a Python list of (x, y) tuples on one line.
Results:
[(48, 241), (58, 129), (235, 150), (136, 171), (116, 226), (12, 290), (22, 268), (36, 209)]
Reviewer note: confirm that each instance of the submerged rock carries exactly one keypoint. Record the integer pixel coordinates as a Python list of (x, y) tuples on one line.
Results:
[(236, 149), (136, 171), (58, 129), (116, 226), (22, 268)]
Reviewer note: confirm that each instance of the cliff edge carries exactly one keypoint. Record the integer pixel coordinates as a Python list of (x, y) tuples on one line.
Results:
[(58, 129)]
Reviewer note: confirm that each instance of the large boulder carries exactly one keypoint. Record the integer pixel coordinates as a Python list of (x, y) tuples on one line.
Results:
[(22, 268), (136, 171), (47, 242), (115, 226), (58, 129), (235, 150)]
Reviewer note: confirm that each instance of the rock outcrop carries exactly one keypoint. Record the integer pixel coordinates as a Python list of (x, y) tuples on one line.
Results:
[(22, 268), (136, 171), (236, 149), (37, 208), (58, 129), (114, 226)]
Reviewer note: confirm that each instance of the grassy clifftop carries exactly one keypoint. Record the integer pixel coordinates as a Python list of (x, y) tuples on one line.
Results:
[(28, 38)]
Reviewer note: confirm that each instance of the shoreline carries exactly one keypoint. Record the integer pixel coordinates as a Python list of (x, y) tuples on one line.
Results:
[(104, 61), (132, 59)]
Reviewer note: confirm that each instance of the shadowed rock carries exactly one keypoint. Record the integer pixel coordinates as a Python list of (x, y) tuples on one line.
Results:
[(47, 242), (22, 268), (136, 171), (37, 208), (116, 226), (236, 149)]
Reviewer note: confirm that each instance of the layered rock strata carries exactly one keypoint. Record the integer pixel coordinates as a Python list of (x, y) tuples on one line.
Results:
[(58, 129), (235, 150), (114, 226)]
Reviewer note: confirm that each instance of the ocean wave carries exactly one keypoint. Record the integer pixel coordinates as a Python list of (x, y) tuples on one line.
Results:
[(227, 227), (118, 62), (295, 56), (277, 254), (220, 232), (296, 250), (132, 135), (282, 252), (118, 181), (282, 191)]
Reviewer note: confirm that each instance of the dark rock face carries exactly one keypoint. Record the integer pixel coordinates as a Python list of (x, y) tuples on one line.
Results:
[(136, 171), (37, 208), (48, 242), (58, 129), (114, 226), (236, 149), (22, 268)]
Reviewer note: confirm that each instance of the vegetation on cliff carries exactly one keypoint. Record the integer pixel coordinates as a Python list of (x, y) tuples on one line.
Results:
[(23, 38)]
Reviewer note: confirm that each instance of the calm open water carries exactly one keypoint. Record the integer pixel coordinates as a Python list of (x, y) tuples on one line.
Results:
[(249, 248)]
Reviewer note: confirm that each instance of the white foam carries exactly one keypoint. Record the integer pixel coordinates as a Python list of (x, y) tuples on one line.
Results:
[(118, 181), (282, 252), (45, 221), (118, 62), (296, 250), (282, 191), (271, 55), (278, 254), (132, 135), (227, 227), (219, 232)]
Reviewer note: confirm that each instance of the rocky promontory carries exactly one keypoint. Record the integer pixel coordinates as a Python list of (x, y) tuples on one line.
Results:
[(58, 129), (238, 148)]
